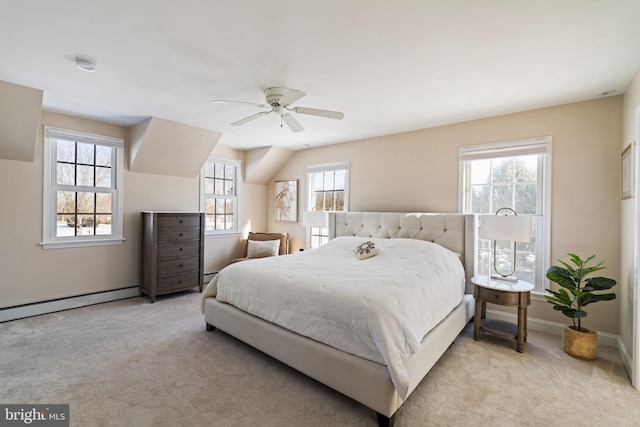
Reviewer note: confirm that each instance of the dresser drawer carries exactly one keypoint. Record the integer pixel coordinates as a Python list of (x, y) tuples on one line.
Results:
[(178, 281), (165, 234), (175, 221), (498, 297), (178, 249), (178, 265)]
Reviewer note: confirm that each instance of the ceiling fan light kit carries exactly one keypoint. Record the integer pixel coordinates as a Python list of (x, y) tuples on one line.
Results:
[(279, 99)]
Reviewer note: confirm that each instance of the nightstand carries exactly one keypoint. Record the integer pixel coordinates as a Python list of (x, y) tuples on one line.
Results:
[(512, 294)]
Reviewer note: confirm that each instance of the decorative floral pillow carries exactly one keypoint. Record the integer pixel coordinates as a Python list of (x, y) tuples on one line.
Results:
[(366, 250), (264, 248)]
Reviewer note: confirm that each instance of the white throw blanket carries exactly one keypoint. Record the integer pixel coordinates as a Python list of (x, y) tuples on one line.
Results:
[(379, 308)]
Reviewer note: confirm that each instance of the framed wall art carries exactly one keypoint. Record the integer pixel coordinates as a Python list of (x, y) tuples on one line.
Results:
[(628, 174), (286, 200)]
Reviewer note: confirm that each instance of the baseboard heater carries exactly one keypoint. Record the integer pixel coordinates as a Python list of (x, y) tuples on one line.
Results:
[(60, 304)]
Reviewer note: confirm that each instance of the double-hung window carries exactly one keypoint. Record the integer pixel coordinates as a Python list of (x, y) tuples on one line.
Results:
[(327, 191), (515, 175), (220, 195), (82, 197)]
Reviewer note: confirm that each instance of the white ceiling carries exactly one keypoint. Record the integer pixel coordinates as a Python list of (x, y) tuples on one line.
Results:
[(390, 66)]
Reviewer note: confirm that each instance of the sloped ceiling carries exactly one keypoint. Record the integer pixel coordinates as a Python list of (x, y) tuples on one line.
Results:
[(164, 147), (390, 66), (262, 164), (20, 109)]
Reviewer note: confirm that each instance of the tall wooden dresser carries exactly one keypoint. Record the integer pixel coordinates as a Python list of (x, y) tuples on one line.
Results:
[(172, 252)]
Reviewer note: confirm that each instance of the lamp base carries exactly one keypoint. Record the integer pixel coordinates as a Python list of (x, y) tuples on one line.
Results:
[(504, 278)]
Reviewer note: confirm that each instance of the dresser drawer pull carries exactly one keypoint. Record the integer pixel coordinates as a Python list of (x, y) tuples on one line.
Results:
[(180, 249), (180, 265), (180, 234), (180, 221)]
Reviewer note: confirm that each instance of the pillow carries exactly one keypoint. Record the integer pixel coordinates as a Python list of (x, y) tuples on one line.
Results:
[(366, 250), (262, 248)]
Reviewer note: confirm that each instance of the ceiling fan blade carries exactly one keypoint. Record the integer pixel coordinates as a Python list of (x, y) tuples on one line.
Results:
[(225, 101), (291, 121), (291, 96), (250, 118), (321, 113)]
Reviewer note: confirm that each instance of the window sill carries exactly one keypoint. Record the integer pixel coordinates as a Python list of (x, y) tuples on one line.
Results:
[(81, 243), (217, 235)]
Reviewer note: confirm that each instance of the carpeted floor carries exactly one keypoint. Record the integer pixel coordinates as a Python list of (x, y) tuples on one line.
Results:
[(132, 363)]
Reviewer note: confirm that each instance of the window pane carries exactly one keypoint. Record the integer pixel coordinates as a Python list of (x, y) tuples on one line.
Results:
[(103, 203), (85, 225), (502, 197), (103, 155), (329, 201), (318, 181), (103, 177), (527, 169), (65, 174), (228, 171), (208, 186), (341, 178), (228, 188), (66, 151), (339, 201), (218, 187), (319, 202), (220, 206), (66, 202), (85, 176), (480, 201), (480, 172), (329, 183), (209, 169), (85, 153), (65, 226), (219, 171), (502, 170), (526, 199), (103, 227), (210, 205), (86, 202)]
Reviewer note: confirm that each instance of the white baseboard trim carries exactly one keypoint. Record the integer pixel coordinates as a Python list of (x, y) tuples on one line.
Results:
[(45, 307), (553, 328)]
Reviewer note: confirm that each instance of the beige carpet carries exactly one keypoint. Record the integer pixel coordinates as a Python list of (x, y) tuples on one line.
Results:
[(131, 363)]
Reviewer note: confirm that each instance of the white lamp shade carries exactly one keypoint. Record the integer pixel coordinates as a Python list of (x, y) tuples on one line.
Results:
[(315, 219), (505, 227)]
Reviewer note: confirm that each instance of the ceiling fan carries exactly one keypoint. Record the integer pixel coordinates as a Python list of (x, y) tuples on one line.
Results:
[(278, 100)]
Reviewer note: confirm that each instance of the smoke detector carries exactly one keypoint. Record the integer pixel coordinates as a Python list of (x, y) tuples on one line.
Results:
[(85, 64)]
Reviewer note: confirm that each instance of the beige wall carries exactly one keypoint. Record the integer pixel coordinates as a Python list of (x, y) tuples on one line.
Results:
[(629, 228), (418, 171), (29, 273)]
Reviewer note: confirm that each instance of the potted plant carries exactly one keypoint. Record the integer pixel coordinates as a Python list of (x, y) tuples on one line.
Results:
[(577, 291)]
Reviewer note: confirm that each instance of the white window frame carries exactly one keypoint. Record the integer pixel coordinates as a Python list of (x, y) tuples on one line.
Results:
[(50, 188), (323, 233), (540, 145), (237, 164)]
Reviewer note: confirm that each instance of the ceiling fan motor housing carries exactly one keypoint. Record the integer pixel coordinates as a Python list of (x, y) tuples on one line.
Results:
[(273, 95)]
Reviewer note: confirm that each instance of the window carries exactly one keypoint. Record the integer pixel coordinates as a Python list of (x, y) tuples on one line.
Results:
[(82, 202), (220, 195), (327, 191), (515, 175)]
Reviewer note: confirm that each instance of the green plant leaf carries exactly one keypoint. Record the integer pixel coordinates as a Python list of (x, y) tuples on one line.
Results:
[(599, 284), (589, 298), (561, 276)]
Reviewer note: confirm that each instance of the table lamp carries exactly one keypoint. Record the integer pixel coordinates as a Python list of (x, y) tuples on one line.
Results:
[(503, 226)]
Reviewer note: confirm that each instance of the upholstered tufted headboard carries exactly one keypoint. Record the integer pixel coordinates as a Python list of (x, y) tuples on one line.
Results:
[(454, 231)]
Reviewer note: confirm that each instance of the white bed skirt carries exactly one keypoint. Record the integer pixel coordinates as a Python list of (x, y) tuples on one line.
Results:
[(364, 381)]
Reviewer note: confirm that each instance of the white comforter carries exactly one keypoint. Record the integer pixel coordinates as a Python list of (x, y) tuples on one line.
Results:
[(379, 308)]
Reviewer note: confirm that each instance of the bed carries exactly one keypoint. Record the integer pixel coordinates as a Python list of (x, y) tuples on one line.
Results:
[(368, 361)]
